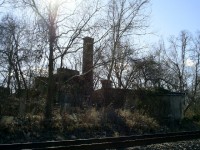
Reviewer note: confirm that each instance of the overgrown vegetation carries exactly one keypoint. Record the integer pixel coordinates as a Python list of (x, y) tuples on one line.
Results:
[(76, 123), (191, 120), (33, 46)]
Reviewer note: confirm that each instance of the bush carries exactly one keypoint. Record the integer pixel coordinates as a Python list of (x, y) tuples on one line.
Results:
[(137, 122), (80, 123)]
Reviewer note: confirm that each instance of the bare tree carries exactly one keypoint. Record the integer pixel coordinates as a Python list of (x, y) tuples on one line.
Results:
[(180, 63), (175, 61), (63, 32), (15, 50), (2, 2), (125, 19), (193, 92), (180, 48)]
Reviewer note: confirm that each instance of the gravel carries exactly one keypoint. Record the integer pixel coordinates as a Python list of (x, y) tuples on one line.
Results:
[(183, 145)]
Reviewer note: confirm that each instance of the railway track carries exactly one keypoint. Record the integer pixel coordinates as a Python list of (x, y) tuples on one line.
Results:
[(105, 143)]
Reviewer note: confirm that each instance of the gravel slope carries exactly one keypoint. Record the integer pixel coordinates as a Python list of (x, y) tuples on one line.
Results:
[(183, 145)]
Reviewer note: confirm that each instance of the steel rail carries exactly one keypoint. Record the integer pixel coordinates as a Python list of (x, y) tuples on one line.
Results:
[(106, 143)]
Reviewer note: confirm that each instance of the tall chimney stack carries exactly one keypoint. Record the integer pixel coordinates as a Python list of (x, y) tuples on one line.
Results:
[(87, 68)]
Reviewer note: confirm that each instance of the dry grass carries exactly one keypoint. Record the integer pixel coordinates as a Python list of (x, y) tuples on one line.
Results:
[(87, 123), (91, 117), (138, 122)]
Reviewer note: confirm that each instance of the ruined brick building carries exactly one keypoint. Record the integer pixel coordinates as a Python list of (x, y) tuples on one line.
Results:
[(70, 87), (73, 89)]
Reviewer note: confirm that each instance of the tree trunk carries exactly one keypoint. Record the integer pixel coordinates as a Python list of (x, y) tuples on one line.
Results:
[(49, 100)]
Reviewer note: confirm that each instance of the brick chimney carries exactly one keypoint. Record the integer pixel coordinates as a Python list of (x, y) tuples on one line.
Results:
[(87, 68)]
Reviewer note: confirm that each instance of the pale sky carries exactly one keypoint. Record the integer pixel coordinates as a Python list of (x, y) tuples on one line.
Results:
[(169, 17)]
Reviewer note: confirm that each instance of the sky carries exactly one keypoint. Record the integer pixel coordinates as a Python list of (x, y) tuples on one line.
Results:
[(169, 17)]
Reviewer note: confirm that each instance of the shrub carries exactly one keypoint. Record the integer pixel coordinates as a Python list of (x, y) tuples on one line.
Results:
[(137, 122), (80, 123), (91, 117)]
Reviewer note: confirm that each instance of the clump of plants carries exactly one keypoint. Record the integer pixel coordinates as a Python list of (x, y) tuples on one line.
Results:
[(88, 123), (20, 129), (191, 120), (137, 122)]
